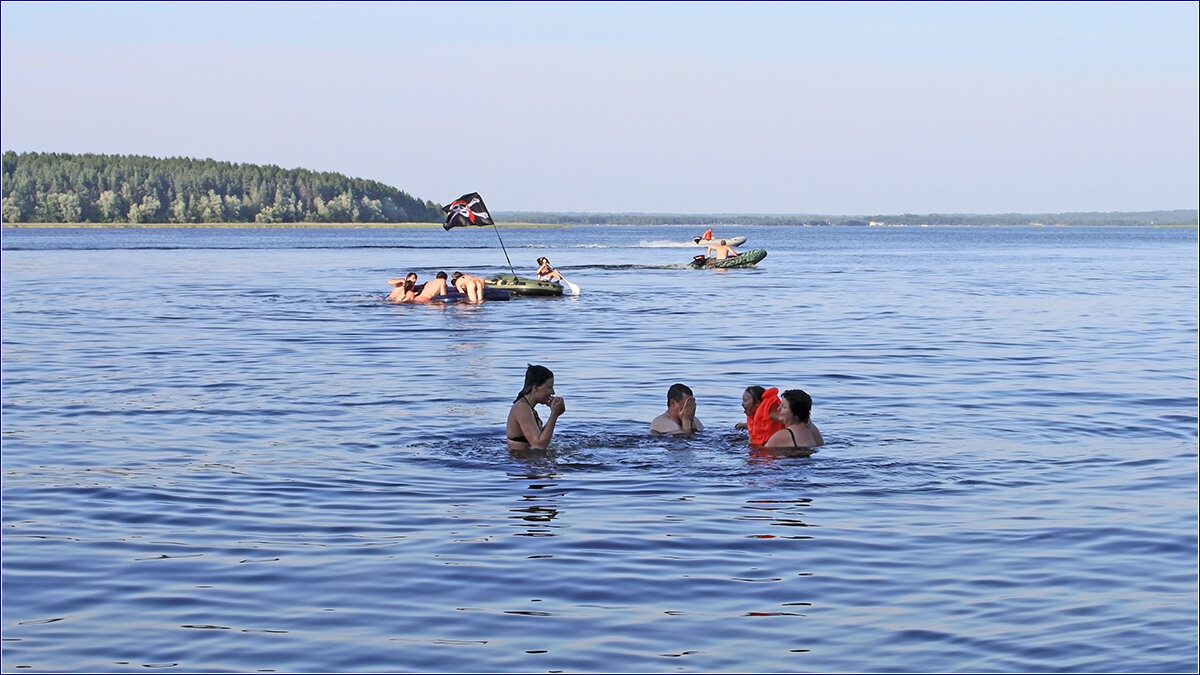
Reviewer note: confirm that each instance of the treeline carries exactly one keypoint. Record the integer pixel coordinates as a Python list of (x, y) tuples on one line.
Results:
[(1098, 219), (1182, 217), (90, 188)]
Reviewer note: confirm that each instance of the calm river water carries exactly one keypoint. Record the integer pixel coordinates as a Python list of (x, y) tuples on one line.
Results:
[(222, 451)]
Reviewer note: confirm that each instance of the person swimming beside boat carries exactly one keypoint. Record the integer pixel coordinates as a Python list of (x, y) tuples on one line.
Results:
[(680, 417), (404, 289), (524, 429), (545, 272), (470, 286), (432, 289), (411, 276), (795, 412)]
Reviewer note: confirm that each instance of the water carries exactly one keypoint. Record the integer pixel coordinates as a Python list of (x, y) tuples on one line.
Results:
[(223, 452)]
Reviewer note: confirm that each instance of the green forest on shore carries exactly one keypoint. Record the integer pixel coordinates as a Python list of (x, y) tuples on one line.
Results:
[(132, 190), (93, 190)]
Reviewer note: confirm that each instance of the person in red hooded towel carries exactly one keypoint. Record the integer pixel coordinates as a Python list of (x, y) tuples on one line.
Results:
[(760, 405)]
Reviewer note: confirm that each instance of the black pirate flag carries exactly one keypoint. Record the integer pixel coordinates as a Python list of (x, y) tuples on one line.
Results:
[(467, 210)]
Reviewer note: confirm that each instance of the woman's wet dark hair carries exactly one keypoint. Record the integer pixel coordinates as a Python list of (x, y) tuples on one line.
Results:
[(535, 375), (800, 403)]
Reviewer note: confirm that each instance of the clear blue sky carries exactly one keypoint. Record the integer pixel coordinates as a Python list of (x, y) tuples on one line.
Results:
[(677, 107)]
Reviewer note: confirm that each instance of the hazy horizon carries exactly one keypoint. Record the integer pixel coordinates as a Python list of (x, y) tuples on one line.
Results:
[(703, 108)]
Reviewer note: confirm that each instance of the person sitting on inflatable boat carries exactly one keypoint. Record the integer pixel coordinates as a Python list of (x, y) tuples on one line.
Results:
[(707, 236), (546, 272), (722, 251)]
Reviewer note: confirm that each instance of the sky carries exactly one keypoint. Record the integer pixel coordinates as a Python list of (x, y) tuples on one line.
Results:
[(822, 108)]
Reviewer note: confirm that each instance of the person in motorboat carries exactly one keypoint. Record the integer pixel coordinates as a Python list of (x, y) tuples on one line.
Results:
[(680, 416), (760, 406), (545, 272), (795, 412), (470, 286), (524, 429), (707, 236), (432, 288), (403, 289), (721, 251)]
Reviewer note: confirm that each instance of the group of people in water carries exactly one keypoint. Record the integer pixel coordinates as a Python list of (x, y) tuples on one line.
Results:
[(406, 288), (772, 420)]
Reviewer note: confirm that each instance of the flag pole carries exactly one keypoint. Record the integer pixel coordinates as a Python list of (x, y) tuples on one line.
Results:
[(510, 265)]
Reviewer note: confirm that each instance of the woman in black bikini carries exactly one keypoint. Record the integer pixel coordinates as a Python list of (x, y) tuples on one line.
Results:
[(525, 429), (795, 408)]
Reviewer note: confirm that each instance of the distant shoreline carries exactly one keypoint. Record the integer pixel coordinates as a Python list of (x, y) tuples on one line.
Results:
[(260, 226), (429, 226)]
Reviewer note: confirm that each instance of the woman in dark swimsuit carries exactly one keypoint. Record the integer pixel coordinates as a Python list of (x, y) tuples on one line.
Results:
[(524, 429), (795, 408)]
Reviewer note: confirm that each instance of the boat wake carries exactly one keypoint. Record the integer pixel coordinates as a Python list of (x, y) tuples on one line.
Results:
[(623, 267), (665, 243)]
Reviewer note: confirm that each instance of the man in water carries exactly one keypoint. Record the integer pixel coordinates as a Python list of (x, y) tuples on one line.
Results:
[(470, 286), (680, 417), (432, 288)]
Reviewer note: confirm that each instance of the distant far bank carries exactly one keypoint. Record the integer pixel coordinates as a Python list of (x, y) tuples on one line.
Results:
[(1164, 218), (263, 226), (121, 191)]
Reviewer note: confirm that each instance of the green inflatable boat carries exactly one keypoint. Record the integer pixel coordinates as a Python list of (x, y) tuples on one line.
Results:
[(523, 285), (748, 259)]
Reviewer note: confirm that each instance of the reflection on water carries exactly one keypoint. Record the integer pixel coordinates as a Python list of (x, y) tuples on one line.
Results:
[(545, 496)]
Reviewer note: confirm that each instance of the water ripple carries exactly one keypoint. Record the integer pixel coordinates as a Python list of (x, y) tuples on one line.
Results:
[(270, 468)]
